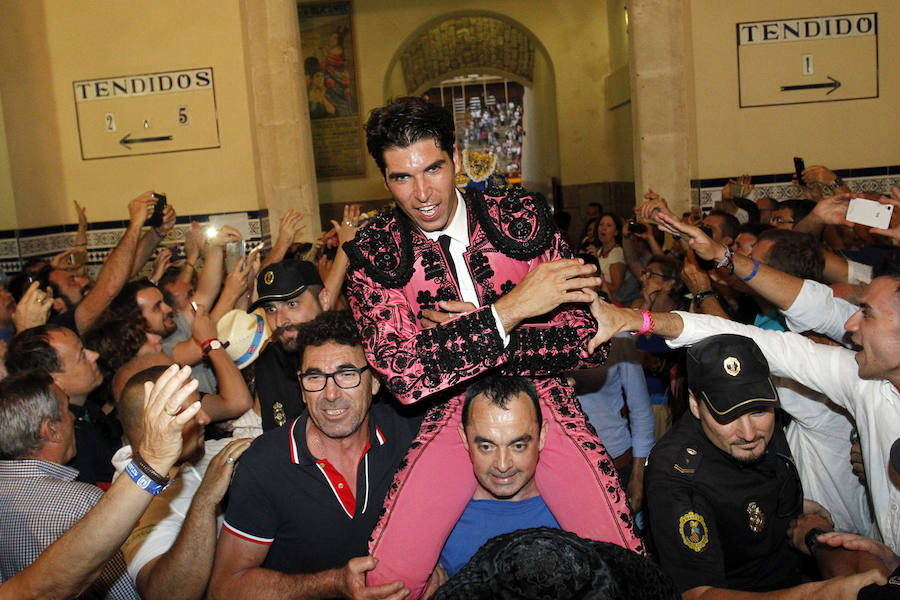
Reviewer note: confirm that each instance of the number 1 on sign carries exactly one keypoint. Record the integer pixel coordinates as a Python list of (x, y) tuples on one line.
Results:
[(808, 64)]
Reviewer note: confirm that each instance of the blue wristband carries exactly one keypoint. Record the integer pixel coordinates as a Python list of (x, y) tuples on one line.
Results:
[(142, 481), (753, 273)]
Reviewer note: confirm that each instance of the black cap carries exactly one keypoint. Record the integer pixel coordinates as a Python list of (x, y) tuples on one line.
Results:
[(284, 280), (730, 374)]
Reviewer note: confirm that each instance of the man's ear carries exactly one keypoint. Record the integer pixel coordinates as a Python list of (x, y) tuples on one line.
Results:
[(302, 399), (59, 306), (50, 431), (692, 404), (58, 382), (324, 298), (542, 438), (462, 434), (376, 383)]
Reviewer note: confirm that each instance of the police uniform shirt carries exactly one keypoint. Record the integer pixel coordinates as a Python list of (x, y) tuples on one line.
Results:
[(717, 522), (277, 386)]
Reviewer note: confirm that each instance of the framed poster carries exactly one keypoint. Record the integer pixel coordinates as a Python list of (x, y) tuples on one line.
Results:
[(329, 64)]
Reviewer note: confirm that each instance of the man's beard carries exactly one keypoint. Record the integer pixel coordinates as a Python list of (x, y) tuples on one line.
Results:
[(289, 344)]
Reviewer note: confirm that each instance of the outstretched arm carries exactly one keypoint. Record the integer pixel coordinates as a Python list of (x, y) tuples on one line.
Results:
[(67, 567), (183, 571), (779, 288), (151, 239), (237, 574), (117, 269)]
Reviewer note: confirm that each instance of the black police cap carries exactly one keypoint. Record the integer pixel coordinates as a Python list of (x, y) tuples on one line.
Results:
[(730, 374), (284, 280)]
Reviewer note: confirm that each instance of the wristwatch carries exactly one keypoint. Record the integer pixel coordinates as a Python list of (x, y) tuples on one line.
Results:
[(211, 345), (811, 538)]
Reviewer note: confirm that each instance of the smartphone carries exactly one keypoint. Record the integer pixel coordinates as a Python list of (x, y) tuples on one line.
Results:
[(636, 227), (736, 190), (799, 167), (156, 218), (869, 213), (234, 251)]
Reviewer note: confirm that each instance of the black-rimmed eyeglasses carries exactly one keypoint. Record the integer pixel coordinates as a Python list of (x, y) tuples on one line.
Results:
[(345, 378)]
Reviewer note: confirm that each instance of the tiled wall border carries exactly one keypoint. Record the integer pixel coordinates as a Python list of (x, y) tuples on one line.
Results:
[(779, 187), (17, 246)]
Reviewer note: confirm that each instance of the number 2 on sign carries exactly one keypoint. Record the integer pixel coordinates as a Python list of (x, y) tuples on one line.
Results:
[(110, 122)]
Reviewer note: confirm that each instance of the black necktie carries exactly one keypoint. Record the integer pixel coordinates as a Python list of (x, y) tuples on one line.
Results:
[(444, 241)]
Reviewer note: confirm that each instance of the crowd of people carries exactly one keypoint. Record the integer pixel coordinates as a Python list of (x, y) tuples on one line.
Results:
[(453, 401)]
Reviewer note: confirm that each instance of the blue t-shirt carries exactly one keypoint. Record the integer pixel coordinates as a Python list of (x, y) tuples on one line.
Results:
[(484, 519)]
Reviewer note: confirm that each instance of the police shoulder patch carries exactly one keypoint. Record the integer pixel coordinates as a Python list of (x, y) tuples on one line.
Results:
[(688, 461), (693, 531)]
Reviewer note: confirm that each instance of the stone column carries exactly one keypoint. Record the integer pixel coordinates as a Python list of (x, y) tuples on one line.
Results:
[(659, 95), (286, 174)]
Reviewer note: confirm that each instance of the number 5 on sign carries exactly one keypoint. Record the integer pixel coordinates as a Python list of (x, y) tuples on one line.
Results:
[(182, 115)]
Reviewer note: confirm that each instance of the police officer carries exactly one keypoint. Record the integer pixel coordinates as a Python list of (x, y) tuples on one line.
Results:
[(722, 488), (291, 294)]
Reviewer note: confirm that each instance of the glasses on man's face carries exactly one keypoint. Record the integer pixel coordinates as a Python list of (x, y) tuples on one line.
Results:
[(345, 378), (653, 274)]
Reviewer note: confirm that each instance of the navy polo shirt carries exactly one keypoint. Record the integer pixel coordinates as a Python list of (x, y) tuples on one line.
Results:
[(284, 498)]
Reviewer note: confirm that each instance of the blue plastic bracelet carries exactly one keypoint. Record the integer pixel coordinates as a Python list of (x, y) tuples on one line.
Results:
[(142, 481), (753, 273)]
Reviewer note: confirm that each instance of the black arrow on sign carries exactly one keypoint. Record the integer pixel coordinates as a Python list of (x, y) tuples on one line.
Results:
[(126, 141), (834, 84)]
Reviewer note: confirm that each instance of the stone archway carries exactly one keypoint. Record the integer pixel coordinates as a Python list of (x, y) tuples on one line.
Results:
[(492, 44)]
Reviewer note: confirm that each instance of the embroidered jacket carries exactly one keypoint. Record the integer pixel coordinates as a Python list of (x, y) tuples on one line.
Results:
[(396, 272)]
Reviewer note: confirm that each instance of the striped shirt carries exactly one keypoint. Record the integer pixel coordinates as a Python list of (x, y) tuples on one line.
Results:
[(39, 501)]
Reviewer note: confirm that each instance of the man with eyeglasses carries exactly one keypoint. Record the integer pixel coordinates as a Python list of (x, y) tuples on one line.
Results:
[(306, 496), (722, 488)]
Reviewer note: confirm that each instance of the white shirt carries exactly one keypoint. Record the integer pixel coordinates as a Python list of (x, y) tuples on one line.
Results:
[(830, 370), (458, 232), (161, 522), (819, 437)]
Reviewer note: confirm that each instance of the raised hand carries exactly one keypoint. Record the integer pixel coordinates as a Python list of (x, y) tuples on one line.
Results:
[(33, 308), (141, 207), (346, 229), (166, 413)]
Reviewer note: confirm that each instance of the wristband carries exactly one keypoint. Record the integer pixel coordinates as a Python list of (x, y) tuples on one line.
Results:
[(753, 273), (648, 324), (811, 538), (699, 297), (149, 471), (727, 261), (143, 481), (190, 264)]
